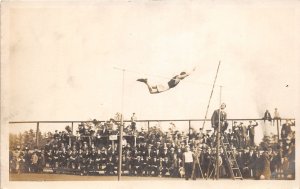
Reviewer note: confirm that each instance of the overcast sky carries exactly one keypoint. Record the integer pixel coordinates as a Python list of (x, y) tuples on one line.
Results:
[(62, 59)]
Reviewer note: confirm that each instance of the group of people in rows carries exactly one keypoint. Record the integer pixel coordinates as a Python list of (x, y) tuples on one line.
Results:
[(156, 153)]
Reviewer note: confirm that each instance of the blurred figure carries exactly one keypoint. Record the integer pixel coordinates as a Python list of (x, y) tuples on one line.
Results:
[(276, 114), (286, 129), (265, 166), (196, 164), (267, 116), (15, 161), (27, 158)]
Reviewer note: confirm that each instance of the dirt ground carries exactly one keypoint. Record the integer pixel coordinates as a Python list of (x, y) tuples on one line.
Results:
[(68, 177)]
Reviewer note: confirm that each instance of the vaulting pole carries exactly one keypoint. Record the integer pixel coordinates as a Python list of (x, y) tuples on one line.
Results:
[(218, 137), (212, 91), (278, 135)]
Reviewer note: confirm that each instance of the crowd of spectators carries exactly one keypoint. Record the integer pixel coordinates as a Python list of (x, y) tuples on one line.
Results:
[(93, 150)]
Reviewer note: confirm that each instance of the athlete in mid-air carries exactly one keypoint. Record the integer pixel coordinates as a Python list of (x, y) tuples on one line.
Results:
[(153, 89)]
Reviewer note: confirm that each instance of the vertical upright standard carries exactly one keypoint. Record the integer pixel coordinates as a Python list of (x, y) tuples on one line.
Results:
[(121, 130), (37, 134)]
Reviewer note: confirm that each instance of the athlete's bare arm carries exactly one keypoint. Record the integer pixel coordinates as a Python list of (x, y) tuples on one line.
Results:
[(184, 74)]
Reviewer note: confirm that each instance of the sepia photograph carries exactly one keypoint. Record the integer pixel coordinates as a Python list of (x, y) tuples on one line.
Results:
[(145, 94)]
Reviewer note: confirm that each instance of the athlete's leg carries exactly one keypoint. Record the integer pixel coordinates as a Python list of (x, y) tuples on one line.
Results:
[(152, 89)]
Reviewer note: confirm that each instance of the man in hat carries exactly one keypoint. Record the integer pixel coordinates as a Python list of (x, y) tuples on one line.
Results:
[(219, 115), (253, 155), (153, 89), (234, 126), (247, 158)]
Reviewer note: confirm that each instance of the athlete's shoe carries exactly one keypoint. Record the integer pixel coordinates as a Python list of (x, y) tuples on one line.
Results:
[(142, 80)]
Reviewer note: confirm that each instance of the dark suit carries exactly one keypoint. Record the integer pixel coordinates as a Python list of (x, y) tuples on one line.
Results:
[(215, 120), (285, 130), (154, 167), (240, 161), (149, 153), (165, 154)]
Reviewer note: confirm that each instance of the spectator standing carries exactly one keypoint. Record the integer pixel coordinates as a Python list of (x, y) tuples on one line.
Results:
[(16, 160), (27, 158), (34, 162), (196, 163), (188, 162), (219, 114), (251, 131), (243, 132), (133, 122)]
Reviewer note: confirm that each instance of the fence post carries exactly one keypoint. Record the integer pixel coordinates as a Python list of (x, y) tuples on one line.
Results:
[(277, 123), (148, 125), (189, 129), (37, 134), (72, 127), (72, 134)]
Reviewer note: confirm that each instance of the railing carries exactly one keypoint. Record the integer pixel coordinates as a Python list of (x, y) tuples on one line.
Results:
[(278, 122)]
